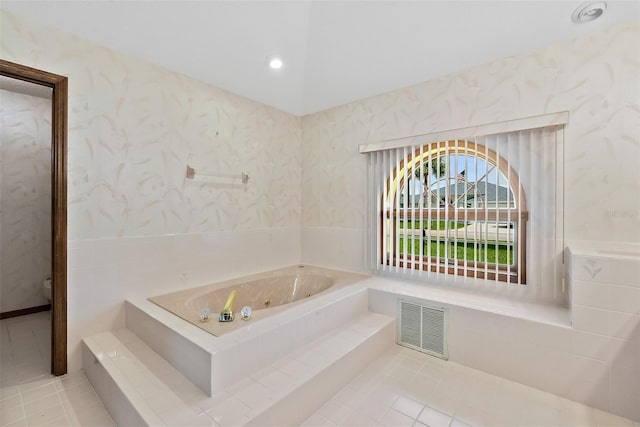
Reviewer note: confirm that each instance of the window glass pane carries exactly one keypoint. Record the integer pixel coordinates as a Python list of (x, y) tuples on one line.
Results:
[(461, 181), (448, 204), (479, 241)]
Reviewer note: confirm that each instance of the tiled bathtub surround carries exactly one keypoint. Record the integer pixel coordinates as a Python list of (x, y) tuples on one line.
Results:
[(107, 271), (214, 362), (265, 293), (532, 344), (140, 388), (605, 292)]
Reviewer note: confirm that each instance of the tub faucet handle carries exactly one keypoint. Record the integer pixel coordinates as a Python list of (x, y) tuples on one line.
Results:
[(246, 312)]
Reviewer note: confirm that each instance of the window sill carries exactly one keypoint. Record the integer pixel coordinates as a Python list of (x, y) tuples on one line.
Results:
[(534, 311)]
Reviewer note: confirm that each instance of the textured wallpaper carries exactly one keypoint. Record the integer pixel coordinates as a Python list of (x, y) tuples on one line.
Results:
[(596, 78), (136, 225), (133, 128), (25, 199)]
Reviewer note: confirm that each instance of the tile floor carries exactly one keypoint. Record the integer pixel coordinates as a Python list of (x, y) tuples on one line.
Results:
[(29, 394), (401, 388), (407, 388)]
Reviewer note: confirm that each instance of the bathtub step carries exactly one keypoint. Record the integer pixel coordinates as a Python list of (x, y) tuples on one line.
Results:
[(303, 381), (119, 367), (139, 387)]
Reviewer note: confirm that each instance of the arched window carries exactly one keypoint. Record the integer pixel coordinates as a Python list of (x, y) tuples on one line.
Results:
[(455, 207), (485, 202)]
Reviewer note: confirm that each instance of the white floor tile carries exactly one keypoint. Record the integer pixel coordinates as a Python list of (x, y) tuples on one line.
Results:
[(458, 423), (317, 420), (36, 383), (98, 421), (229, 412), (9, 389), (453, 395), (605, 419), (10, 402), (360, 420), (434, 418), (377, 404), (407, 406), (38, 393), (11, 414), (393, 418), (400, 388), (256, 396), (21, 423), (30, 395), (70, 380), (39, 405), (470, 415), (45, 415), (336, 411), (80, 412)]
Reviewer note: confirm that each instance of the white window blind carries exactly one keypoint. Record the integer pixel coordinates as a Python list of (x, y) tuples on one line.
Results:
[(487, 208)]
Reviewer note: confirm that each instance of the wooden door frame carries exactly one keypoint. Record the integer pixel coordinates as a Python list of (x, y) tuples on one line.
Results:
[(59, 84)]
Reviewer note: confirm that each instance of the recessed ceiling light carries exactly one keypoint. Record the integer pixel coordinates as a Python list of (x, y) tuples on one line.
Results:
[(275, 62), (588, 12)]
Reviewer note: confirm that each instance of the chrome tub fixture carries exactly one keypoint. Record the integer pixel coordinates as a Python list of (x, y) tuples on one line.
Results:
[(226, 315), (205, 315), (246, 312)]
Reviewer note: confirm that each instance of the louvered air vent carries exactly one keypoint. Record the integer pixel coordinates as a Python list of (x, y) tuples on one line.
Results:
[(423, 328)]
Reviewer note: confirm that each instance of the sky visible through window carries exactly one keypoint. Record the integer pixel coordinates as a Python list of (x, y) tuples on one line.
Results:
[(461, 168)]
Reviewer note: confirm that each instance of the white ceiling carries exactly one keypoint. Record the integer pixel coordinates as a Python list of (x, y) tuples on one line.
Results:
[(335, 52)]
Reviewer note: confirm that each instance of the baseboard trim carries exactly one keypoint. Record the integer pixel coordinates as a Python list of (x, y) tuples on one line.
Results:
[(25, 311)]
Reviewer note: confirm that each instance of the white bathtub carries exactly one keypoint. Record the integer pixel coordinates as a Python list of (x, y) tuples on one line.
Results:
[(266, 294)]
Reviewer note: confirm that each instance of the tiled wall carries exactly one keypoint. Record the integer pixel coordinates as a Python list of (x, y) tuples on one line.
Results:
[(596, 362), (25, 199), (595, 77), (103, 273), (605, 288)]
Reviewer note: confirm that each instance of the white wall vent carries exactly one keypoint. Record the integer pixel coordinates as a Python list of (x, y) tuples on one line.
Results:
[(423, 328)]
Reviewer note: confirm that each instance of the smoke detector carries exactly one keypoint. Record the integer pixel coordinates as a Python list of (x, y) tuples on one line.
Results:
[(588, 12)]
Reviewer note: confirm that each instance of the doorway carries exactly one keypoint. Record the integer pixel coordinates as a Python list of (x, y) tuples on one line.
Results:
[(59, 86)]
